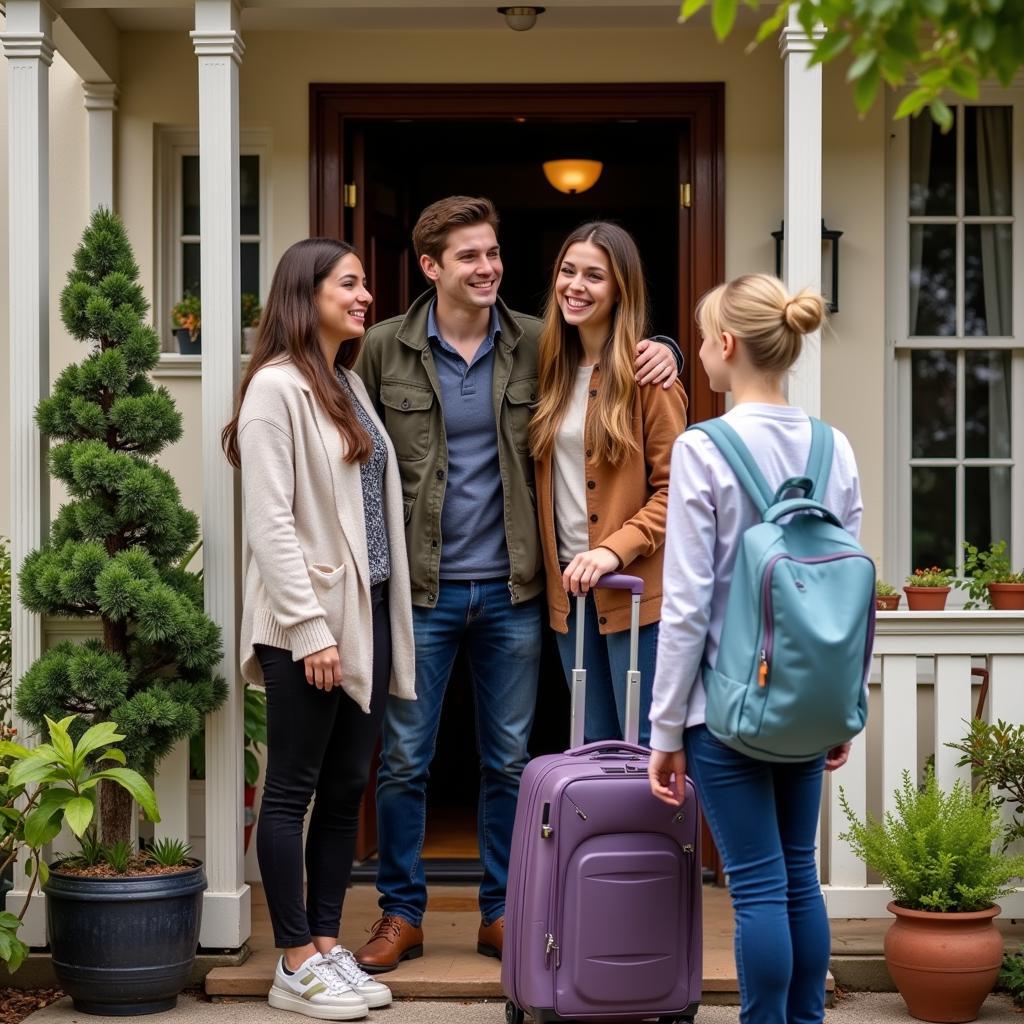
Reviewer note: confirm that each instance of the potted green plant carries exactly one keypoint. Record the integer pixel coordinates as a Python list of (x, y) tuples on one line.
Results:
[(251, 313), (887, 598), (989, 580), (186, 317), (927, 589), (935, 853), (113, 554)]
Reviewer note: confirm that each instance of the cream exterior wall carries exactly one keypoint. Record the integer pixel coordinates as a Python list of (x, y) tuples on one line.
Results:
[(158, 87)]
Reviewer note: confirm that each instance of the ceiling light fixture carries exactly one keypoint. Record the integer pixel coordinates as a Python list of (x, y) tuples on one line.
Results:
[(520, 19), (573, 176)]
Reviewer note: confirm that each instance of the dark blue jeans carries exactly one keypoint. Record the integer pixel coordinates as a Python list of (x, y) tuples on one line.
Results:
[(503, 647), (606, 659), (764, 817)]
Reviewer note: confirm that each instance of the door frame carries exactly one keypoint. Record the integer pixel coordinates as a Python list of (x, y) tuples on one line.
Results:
[(701, 103)]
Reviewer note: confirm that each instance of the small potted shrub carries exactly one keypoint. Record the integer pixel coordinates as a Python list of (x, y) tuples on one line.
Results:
[(935, 853), (887, 598), (251, 313), (187, 320), (927, 589), (990, 582)]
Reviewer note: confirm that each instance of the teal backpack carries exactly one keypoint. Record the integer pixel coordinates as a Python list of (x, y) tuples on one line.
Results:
[(788, 683)]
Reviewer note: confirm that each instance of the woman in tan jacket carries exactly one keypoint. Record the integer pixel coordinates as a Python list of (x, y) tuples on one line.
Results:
[(327, 617), (602, 447)]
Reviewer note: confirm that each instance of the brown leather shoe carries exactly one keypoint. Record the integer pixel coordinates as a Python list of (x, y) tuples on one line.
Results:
[(393, 940), (490, 940)]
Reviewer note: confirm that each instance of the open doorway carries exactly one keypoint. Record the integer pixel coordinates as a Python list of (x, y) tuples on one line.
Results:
[(382, 153)]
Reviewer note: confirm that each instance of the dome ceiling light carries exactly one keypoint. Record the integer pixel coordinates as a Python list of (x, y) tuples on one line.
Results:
[(520, 19), (573, 176)]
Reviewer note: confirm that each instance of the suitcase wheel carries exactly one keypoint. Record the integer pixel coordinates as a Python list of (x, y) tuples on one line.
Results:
[(513, 1015), (686, 1018)]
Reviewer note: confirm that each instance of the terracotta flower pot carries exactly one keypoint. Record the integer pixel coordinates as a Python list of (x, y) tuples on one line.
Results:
[(1006, 597), (926, 599), (887, 603), (944, 965)]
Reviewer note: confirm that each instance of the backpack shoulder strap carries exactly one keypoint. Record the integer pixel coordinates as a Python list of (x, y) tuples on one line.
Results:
[(737, 454), (819, 462)]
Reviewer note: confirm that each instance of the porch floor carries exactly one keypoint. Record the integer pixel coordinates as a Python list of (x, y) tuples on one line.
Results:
[(450, 967)]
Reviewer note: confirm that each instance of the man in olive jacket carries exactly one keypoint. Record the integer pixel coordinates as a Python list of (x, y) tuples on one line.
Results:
[(454, 381)]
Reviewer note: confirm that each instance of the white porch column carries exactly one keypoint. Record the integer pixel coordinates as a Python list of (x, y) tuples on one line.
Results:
[(28, 43), (218, 45), (101, 104), (802, 209)]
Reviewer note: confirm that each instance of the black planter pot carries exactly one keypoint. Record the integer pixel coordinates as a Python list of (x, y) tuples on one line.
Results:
[(124, 946), (186, 346)]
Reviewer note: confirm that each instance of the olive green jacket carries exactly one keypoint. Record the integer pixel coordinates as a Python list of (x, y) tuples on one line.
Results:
[(397, 366)]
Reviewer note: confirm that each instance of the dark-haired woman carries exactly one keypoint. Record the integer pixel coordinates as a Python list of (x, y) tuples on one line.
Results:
[(327, 618)]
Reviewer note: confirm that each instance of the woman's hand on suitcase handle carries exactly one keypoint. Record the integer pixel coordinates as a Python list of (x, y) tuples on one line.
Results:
[(666, 771), (323, 669), (837, 756), (587, 568)]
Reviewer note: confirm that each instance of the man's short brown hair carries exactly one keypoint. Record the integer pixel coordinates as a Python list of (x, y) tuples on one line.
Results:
[(430, 235)]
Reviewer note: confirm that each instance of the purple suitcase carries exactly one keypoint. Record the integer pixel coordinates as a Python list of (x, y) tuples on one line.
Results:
[(603, 912)]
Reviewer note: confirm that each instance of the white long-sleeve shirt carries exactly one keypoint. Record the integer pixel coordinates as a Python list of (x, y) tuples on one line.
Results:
[(708, 512)]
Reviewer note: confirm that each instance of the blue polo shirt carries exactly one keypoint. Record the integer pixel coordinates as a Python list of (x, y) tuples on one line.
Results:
[(473, 545)]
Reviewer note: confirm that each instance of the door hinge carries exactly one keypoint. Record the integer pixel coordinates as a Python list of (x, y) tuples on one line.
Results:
[(349, 196), (685, 195)]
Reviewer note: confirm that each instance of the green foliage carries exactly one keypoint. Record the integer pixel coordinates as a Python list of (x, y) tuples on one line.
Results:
[(251, 310), (5, 632), (931, 577), (188, 314), (115, 547), (169, 853), (49, 786), (883, 589), (984, 567), (1011, 977), (932, 47), (935, 851), (90, 851), (119, 855), (996, 756)]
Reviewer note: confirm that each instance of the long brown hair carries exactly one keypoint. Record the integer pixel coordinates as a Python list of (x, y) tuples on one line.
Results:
[(289, 327), (611, 426)]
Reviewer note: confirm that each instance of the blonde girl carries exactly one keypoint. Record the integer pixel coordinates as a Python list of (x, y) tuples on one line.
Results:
[(763, 815), (601, 445)]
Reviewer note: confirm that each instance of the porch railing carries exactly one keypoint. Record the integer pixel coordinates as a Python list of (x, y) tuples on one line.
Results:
[(922, 692)]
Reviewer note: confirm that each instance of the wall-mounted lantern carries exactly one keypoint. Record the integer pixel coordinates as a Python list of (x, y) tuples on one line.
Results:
[(829, 252)]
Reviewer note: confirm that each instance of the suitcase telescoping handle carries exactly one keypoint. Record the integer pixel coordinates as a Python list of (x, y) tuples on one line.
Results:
[(577, 714)]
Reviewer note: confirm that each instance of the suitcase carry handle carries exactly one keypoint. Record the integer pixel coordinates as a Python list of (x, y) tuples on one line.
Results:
[(609, 747), (577, 714)]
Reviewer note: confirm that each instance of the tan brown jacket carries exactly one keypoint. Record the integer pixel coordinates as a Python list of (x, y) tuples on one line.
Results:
[(626, 506)]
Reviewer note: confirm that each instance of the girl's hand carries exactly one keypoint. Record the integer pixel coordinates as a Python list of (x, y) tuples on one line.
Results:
[(586, 569), (323, 669), (655, 363), (667, 773), (837, 757)]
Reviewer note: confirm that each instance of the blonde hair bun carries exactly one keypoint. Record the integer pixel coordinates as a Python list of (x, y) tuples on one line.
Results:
[(804, 312)]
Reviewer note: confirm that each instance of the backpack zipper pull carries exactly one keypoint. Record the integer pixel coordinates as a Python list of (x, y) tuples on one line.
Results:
[(762, 672)]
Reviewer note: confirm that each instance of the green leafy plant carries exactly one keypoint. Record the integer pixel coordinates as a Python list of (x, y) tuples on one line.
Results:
[(935, 851), (996, 756), (119, 855), (114, 548), (931, 577), (934, 46), (982, 567), (1011, 976), (90, 851), (169, 853), (883, 589), (251, 310), (254, 725), (187, 314), (49, 786)]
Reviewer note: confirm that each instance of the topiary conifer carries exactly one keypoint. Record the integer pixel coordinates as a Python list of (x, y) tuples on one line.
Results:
[(115, 547)]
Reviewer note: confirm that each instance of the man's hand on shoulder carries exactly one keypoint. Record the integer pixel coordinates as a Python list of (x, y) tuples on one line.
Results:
[(656, 363)]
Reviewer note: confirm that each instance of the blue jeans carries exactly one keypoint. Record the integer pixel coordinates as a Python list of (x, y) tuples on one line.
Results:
[(502, 642), (764, 818), (606, 659)]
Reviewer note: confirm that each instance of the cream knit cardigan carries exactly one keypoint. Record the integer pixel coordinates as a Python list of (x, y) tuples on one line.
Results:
[(305, 558)]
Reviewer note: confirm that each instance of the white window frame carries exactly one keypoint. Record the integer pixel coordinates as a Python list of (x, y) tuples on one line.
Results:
[(898, 462), (173, 143)]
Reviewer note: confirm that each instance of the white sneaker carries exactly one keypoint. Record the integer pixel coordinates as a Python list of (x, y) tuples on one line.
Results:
[(317, 990), (373, 992)]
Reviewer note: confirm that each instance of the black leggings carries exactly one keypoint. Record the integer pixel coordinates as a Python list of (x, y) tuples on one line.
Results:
[(317, 742)]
